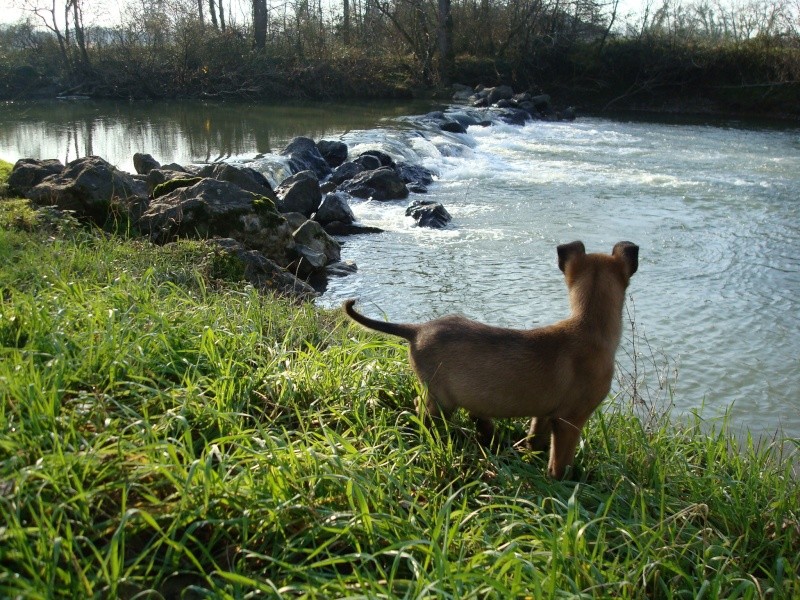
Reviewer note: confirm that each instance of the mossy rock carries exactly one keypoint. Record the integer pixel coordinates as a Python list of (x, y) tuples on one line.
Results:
[(165, 188), (265, 208)]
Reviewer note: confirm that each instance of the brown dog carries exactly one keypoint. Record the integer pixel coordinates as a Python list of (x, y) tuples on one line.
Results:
[(556, 374)]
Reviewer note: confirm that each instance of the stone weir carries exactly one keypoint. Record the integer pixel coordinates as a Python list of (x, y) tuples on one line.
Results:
[(288, 237)]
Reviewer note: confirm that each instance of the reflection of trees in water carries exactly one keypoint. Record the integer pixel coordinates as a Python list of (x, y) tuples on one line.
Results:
[(176, 131)]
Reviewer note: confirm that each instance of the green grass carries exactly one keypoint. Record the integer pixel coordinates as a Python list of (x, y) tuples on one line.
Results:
[(165, 432)]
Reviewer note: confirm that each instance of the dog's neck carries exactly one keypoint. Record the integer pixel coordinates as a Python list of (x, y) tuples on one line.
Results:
[(597, 309)]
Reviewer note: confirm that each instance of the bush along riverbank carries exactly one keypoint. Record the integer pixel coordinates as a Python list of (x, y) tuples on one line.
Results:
[(167, 429)]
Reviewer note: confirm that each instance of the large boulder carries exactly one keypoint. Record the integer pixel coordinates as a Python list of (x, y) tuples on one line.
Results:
[(157, 177), (368, 162), (265, 274), (334, 153), (214, 208), (416, 177), (501, 92), (245, 177), (144, 163), (346, 171), (380, 184), (315, 247), (299, 193), (305, 156), (334, 207), (429, 214), (94, 189), (384, 159), (29, 172)]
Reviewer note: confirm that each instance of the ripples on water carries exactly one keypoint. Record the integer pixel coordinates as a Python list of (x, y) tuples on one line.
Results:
[(714, 209)]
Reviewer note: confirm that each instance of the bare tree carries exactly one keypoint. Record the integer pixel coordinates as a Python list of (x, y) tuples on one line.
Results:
[(260, 17)]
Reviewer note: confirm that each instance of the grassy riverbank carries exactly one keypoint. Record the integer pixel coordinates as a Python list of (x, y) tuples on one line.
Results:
[(163, 427)]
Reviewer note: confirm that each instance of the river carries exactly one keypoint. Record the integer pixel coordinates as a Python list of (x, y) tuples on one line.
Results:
[(714, 206)]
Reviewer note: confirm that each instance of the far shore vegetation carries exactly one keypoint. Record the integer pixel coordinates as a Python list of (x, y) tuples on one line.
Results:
[(675, 55), (168, 432)]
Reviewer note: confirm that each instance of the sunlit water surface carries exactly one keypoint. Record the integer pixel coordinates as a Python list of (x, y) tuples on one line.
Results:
[(714, 208)]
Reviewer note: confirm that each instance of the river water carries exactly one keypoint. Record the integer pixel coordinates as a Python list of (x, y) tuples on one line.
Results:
[(714, 206)]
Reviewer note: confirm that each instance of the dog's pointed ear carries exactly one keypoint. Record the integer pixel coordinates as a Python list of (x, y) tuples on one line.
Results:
[(567, 252), (628, 252)]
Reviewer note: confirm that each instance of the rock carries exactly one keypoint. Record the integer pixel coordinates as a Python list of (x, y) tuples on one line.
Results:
[(214, 208), (245, 177), (334, 153), (294, 219), (368, 162), (380, 184), (384, 159), (341, 268), (305, 156), (569, 113), (452, 126), (157, 177), (299, 193), (513, 116), (334, 207), (444, 122), (265, 274), (173, 166), (92, 188), (315, 247), (144, 163), (501, 92), (346, 171), (542, 103), (522, 97), (29, 172), (428, 214), (339, 228), (416, 177), (173, 184), (461, 93)]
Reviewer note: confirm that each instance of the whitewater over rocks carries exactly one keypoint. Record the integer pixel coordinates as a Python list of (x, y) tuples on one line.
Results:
[(283, 215)]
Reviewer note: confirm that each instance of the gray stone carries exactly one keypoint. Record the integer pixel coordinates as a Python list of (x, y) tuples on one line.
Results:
[(265, 274), (214, 208), (305, 156), (346, 171), (334, 153), (334, 207), (144, 163), (29, 172), (245, 177), (429, 214), (315, 247), (380, 184), (94, 189), (299, 193)]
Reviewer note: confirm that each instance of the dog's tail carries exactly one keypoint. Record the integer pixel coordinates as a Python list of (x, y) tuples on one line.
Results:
[(403, 330)]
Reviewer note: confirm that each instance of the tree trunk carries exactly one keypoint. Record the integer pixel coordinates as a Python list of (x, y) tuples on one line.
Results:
[(80, 37), (260, 24), (346, 22), (212, 8), (444, 36), (200, 12), (221, 16)]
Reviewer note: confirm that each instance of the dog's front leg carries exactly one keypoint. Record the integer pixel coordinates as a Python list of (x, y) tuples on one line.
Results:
[(485, 429), (538, 439), (566, 433)]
